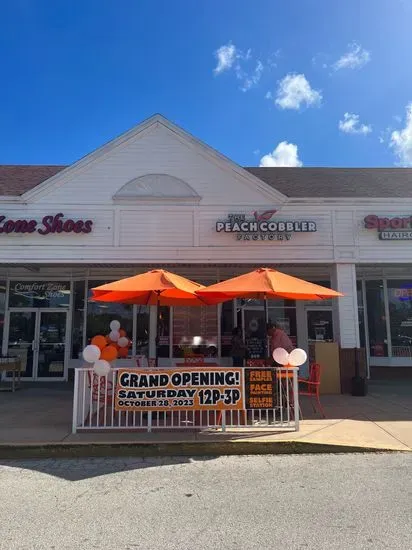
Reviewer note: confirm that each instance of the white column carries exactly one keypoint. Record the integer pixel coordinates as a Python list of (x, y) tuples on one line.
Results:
[(345, 309)]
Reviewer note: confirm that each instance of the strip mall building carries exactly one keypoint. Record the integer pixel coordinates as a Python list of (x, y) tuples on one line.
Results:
[(157, 196)]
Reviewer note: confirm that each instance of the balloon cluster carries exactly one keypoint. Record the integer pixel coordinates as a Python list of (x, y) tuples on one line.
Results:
[(295, 358), (105, 349)]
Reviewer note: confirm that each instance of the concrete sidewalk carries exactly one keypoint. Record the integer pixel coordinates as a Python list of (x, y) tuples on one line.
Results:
[(40, 417)]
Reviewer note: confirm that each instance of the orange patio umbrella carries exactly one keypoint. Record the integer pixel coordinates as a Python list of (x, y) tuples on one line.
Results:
[(265, 283), (157, 287)]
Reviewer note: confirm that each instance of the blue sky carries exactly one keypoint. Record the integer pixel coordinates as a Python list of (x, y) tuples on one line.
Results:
[(312, 82)]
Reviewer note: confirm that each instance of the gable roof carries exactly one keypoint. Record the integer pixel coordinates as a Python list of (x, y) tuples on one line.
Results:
[(17, 179), (338, 182)]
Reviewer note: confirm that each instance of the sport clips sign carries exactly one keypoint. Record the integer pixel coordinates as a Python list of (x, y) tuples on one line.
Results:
[(50, 224), (262, 227), (390, 229)]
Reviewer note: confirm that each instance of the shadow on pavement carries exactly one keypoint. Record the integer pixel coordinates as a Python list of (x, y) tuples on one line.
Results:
[(77, 469)]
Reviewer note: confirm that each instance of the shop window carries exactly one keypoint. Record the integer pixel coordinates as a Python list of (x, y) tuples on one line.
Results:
[(361, 314), (39, 294), (78, 319), (195, 331), (163, 349), (400, 315), (226, 328), (375, 303), (99, 315)]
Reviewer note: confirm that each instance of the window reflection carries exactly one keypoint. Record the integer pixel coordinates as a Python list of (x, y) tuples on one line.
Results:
[(40, 294), (361, 314), (400, 314), (195, 331), (226, 328), (378, 342), (163, 349)]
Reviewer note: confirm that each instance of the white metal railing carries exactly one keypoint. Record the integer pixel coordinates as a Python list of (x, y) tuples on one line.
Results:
[(93, 408)]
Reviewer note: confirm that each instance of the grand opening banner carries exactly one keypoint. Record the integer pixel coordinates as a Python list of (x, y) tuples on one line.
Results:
[(181, 389)]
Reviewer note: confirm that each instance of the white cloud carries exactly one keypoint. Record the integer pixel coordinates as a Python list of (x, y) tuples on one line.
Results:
[(251, 80), (355, 58), (226, 56), (269, 95), (351, 125), (285, 154), (230, 58), (294, 91), (401, 140)]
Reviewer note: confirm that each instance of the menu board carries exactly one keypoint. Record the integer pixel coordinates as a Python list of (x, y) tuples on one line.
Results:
[(256, 348), (260, 388)]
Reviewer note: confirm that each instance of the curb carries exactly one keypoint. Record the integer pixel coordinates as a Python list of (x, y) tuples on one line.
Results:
[(224, 448)]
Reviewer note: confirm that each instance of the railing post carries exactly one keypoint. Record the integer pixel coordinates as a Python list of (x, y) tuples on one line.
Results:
[(75, 401), (223, 421), (296, 398)]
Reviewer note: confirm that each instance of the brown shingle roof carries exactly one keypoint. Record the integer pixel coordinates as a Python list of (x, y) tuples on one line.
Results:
[(338, 182), (292, 182), (16, 180)]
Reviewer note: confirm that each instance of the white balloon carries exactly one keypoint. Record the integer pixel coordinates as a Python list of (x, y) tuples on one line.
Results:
[(297, 357), (91, 353), (281, 356), (123, 342), (114, 335), (115, 326), (101, 367)]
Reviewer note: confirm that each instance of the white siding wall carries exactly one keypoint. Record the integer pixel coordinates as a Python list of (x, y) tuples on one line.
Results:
[(346, 308), (157, 150)]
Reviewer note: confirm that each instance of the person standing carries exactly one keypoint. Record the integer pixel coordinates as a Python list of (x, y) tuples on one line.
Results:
[(279, 338), (238, 348)]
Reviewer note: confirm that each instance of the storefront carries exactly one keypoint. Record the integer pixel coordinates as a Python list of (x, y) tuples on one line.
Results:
[(157, 196)]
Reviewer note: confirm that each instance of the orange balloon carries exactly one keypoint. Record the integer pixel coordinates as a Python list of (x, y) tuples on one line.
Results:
[(123, 352), (109, 353), (122, 332), (99, 341), (108, 339)]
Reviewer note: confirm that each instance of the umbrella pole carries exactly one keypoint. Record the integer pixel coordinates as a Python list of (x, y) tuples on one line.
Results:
[(266, 323), (157, 331)]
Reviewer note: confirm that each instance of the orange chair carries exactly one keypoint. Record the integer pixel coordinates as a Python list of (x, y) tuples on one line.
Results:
[(312, 387)]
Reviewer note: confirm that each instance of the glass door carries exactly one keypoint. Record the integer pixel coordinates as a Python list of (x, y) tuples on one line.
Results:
[(38, 337), (51, 344), (21, 343)]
